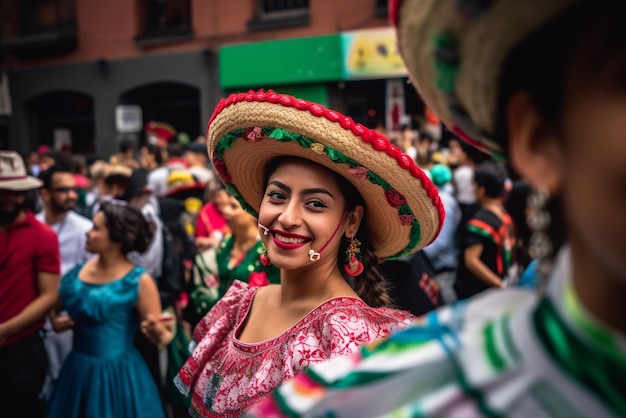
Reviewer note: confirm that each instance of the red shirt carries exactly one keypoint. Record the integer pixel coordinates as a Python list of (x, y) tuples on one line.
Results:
[(26, 248), (209, 220)]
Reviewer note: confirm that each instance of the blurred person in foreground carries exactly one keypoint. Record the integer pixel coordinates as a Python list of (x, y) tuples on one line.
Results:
[(29, 278), (558, 352)]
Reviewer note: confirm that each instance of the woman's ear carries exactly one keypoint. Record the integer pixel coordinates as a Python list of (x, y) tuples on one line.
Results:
[(535, 149), (354, 219)]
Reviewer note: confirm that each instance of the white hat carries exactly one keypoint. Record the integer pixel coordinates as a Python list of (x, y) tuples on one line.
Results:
[(13, 174)]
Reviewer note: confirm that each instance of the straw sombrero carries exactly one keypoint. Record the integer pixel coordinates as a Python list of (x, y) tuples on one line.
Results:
[(454, 51), (248, 130)]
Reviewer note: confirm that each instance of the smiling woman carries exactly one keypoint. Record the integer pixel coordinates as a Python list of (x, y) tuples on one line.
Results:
[(332, 198)]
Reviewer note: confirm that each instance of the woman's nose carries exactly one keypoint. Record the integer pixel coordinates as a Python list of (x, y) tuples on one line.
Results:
[(291, 215)]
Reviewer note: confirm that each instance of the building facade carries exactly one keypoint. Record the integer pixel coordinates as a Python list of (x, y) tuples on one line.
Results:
[(85, 73)]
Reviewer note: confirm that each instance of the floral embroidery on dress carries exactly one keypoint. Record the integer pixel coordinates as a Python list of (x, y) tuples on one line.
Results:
[(248, 372)]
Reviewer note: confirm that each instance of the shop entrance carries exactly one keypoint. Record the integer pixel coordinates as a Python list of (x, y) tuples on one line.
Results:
[(63, 120), (173, 103)]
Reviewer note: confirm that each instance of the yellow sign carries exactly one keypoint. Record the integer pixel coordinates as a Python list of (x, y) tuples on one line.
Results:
[(372, 53)]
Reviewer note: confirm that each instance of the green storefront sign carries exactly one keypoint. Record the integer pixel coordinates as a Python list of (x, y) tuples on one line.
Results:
[(299, 66)]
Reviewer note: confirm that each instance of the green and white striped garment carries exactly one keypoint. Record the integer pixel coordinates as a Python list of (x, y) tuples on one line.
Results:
[(502, 353)]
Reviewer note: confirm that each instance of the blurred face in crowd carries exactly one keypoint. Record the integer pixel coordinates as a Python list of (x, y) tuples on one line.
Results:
[(98, 240), (195, 159), (147, 159), (46, 161), (220, 199), (11, 205), (455, 148), (33, 158), (62, 195), (236, 216)]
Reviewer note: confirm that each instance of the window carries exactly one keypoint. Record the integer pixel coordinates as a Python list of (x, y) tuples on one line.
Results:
[(163, 20), (276, 14), (38, 26), (381, 8)]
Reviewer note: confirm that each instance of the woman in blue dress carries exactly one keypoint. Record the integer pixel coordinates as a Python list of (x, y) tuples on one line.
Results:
[(107, 299)]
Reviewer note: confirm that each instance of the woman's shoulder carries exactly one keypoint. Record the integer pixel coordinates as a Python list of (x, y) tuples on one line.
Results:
[(71, 276), (342, 324), (352, 312), (237, 291), (135, 275), (238, 297)]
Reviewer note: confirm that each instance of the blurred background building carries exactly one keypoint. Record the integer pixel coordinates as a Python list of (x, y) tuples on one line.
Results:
[(84, 74)]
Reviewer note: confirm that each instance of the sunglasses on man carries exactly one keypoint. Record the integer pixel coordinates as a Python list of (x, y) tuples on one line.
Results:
[(65, 189)]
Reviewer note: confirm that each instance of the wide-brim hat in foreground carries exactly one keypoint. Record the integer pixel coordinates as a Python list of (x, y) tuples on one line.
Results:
[(13, 175), (249, 130), (455, 50)]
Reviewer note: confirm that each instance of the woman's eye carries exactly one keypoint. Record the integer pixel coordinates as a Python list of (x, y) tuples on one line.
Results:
[(317, 204), (276, 195)]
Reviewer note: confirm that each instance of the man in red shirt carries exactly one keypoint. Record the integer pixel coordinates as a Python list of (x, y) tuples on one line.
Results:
[(29, 280)]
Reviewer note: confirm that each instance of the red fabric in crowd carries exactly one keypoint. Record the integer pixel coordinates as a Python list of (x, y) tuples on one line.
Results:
[(26, 248), (209, 220)]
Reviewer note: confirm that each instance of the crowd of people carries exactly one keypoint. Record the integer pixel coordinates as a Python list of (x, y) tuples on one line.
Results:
[(296, 263)]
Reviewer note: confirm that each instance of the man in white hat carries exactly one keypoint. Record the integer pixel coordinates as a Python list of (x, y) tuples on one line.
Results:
[(29, 278)]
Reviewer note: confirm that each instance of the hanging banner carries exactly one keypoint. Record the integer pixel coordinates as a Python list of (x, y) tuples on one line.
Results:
[(371, 53)]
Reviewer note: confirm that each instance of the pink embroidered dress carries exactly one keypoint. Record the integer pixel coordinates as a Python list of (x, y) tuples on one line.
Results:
[(225, 376)]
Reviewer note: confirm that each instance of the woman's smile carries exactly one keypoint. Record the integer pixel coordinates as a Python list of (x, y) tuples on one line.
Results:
[(288, 241)]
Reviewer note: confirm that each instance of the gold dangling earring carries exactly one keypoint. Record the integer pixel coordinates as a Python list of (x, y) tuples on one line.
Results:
[(353, 265), (540, 245)]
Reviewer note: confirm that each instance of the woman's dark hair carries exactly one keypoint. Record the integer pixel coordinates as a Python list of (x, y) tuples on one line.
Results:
[(491, 176), (370, 285), (128, 227), (47, 175)]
